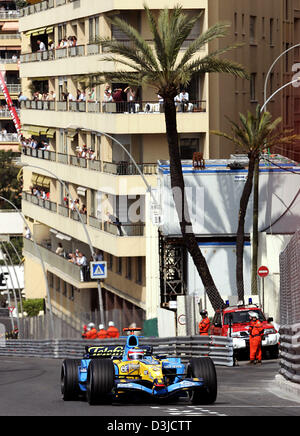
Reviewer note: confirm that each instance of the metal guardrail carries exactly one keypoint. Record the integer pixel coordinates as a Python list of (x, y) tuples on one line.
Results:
[(290, 352), (220, 349)]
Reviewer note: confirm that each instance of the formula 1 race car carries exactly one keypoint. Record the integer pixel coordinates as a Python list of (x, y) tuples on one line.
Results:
[(106, 373)]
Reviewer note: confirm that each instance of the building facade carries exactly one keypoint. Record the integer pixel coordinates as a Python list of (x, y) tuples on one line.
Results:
[(10, 48), (70, 119)]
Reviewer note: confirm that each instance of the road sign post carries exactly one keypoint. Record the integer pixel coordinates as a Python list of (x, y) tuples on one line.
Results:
[(263, 272)]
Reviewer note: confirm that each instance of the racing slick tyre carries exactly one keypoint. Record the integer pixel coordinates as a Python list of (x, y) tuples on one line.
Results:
[(204, 368), (100, 381), (69, 379)]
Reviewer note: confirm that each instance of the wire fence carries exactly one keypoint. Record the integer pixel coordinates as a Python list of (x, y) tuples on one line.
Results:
[(290, 282)]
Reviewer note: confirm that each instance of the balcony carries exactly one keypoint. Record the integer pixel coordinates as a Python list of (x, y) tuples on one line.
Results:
[(144, 117), (59, 265), (119, 169), (121, 242)]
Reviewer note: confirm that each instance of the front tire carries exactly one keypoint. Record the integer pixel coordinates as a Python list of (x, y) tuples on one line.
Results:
[(69, 379), (100, 381), (204, 368)]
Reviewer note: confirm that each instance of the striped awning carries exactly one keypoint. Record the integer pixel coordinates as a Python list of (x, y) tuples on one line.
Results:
[(41, 31)]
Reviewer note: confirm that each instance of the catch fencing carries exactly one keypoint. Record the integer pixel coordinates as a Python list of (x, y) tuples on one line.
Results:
[(290, 310), (219, 349), (290, 282), (290, 352)]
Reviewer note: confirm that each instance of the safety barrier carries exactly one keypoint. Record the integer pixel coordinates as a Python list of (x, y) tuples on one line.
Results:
[(219, 349), (290, 352)]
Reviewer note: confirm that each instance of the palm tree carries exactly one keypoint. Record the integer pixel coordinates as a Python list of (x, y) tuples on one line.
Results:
[(161, 67), (256, 133)]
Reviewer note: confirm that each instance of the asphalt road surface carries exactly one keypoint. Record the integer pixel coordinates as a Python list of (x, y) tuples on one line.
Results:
[(32, 387)]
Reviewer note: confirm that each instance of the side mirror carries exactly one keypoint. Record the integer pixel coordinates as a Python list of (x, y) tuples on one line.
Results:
[(270, 319)]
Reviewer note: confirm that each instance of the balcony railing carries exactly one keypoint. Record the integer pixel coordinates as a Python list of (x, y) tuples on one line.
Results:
[(122, 229), (11, 36), (6, 15), (9, 137), (119, 169), (123, 107), (53, 259), (13, 88)]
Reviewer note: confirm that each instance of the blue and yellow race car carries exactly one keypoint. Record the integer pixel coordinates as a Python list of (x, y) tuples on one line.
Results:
[(106, 373)]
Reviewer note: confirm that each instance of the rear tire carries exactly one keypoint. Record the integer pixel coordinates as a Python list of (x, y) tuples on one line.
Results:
[(204, 368), (69, 379), (100, 381)]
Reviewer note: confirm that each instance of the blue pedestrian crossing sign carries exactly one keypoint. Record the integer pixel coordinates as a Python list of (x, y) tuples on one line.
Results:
[(98, 270)]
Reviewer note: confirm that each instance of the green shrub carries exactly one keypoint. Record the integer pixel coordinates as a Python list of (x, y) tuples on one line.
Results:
[(33, 306)]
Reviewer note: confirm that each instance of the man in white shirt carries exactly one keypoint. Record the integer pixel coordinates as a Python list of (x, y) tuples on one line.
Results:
[(41, 45), (184, 100)]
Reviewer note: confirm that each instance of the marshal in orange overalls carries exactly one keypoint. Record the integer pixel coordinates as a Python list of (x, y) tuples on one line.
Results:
[(204, 327), (256, 332)]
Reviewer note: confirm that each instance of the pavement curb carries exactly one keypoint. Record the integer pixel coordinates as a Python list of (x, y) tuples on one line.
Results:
[(288, 387)]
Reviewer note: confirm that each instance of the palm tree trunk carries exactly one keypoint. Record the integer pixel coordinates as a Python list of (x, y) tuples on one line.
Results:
[(255, 229), (177, 184), (240, 236)]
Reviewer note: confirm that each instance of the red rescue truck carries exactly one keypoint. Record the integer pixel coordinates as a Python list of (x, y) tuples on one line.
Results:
[(234, 322)]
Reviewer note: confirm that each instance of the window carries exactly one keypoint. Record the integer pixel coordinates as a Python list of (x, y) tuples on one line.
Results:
[(57, 287), (235, 23), (72, 289), (188, 146), (128, 268), (253, 87), (252, 29), (139, 270), (271, 31), (110, 262), (119, 265)]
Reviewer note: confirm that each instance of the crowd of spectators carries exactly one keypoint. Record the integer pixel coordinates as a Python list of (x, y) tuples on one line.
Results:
[(40, 193), (34, 143), (70, 41), (85, 153)]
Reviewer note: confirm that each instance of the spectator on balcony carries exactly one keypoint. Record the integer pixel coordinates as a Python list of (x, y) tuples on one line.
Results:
[(92, 95), (83, 210), (51, 45), (74, 40), (108, 94), (184, 100), (60, 250), (161, 103), (41, 45), (98, 255), (83, 263), (51, 96), (82, 96), (118, 99), (115, 221), (27, 233), (131, 97)]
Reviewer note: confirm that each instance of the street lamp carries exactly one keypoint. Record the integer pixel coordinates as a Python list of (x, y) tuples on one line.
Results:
[(277, 91), (42, 264), (84, 229), (126, 151), (271, 68)]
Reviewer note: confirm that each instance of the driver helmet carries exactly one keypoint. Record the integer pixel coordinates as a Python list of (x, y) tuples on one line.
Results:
[(135, 354), (253, 315), (203, 313), (91, 325)]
